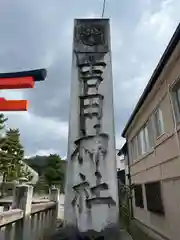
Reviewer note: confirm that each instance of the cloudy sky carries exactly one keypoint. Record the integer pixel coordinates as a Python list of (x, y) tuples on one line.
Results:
[(38, 34)]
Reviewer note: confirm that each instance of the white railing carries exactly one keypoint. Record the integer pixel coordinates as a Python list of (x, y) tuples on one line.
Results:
[(27, 221)]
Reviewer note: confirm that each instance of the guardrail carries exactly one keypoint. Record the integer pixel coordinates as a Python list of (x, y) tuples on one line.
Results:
[(27, 221)]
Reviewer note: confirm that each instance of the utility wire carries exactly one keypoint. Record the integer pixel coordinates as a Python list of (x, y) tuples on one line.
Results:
[(103, 8)]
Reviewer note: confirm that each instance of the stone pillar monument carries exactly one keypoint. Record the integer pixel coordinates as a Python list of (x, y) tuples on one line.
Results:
[(91, 200)]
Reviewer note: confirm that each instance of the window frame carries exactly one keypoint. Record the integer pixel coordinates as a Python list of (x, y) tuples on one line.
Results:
[(159, 122)]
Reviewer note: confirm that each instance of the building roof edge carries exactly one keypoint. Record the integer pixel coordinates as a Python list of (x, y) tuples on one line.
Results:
[(163, 61)]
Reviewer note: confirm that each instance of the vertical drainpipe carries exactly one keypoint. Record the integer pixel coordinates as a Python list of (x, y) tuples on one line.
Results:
[(130, 183)]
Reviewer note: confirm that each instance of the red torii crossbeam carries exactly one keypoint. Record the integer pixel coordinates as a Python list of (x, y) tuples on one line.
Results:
[(19, 80)]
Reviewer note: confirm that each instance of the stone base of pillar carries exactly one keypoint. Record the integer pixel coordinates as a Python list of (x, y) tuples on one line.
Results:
[(69, 232)]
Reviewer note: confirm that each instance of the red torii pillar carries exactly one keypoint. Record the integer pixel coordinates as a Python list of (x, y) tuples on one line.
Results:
[(19, 80)]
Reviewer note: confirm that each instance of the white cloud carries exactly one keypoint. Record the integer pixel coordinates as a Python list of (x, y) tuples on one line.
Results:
[(12, 94), (39, 132), (119, 142), (45, 152), (139, 37), (136, 52)]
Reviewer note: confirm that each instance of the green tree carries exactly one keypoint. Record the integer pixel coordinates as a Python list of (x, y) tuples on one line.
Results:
[(14, 153), (38, 163), (2, 121), (54, 173), (51, 170), (11, 156), (2, 153)]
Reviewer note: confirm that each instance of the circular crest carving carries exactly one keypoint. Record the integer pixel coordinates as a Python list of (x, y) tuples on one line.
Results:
[(91, 34)]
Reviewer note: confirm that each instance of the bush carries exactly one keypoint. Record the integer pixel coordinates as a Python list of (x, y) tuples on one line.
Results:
[(124, 208)]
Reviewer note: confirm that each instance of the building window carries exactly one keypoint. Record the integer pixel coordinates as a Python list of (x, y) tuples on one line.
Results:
[(159, 124), (176, 98), (138, 196), (134, 148), (143, 142), (153, 197), (150, 134), (145, 139)]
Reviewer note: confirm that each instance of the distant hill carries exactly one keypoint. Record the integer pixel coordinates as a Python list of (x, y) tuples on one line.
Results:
[(38, 163), (37, 160)]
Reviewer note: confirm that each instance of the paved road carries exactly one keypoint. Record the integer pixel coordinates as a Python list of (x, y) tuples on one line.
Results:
[(125, 235)]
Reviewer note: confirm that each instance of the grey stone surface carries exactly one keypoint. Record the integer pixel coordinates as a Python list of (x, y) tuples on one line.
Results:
[(23, 198), (91, 200), (72, 233), (124, 235)]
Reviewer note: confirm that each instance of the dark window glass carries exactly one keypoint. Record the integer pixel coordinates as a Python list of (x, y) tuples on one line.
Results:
[(138, 196), (153, 197)]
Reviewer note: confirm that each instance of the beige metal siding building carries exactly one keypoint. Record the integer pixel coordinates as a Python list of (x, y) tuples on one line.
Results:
[(153, 139)]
